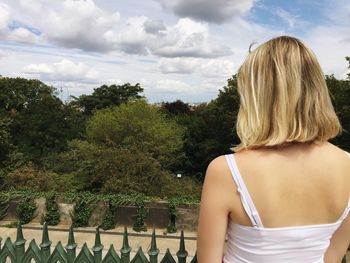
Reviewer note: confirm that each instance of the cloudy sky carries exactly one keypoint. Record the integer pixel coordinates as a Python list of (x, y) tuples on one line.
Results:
[(176, 49)]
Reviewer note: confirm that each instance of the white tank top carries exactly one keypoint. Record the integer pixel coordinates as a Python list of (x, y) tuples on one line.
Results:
[(257, 244)]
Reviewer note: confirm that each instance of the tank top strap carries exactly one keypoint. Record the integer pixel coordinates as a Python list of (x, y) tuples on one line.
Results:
[(245, 197)]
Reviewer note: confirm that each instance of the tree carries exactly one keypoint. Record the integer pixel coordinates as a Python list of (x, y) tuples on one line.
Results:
[(210, 132), (108, 96), (137, 124), (177, 107), (39, 122), (340, 95)]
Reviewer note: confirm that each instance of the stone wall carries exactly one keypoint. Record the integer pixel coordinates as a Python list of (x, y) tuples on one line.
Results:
[(158, 215)]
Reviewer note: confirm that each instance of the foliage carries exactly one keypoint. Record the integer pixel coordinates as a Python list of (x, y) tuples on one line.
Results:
[(52, 215), (4, 204), (12, 224), (109, 218), (340, 94), (81, 213), (25, 210), (138, 125), (29, 176), (38, 121), (173, 203), (210, 130), (5, 139), (171, 228), (141, 214), (177, 107), (108, 96)]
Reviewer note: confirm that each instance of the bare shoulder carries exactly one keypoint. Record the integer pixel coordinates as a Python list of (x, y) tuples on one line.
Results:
[(218, 180), (218, 173), (334, 153), (217, 168)]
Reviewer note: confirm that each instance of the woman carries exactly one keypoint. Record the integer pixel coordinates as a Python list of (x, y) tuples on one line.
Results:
[(284, 195)]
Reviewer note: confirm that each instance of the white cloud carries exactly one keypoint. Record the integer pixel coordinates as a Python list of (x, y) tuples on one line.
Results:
[(286, 16), (330, 48), (188, 38), (73, 24), (215, 68), (178, 65), (217, 11), (172, 86), (208, 68), (83, 25), (64, 70), (4, 16), (22, 35)]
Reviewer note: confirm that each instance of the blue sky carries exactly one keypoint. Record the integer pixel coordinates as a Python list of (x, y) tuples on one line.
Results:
[(179, 49)]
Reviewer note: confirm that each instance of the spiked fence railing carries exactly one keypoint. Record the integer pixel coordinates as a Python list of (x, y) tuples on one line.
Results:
[(17, 253)]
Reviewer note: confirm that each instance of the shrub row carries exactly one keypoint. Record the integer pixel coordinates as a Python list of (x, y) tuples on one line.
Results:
[(83, 207)]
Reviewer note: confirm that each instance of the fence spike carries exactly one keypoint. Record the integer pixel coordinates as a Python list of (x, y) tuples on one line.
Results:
[(125, 240), (98, 243), (154, 251), (45, 239), (182, 253), (71, 246), (19, 238), (19, 244), (45, 244), (125, 250), (71, 240), (97, 249)]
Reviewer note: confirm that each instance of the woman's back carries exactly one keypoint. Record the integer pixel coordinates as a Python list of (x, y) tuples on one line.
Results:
[(312, 181), (301, 196), (295, 225)]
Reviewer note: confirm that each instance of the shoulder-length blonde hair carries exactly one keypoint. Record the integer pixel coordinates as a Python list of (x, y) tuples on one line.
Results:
[(283, 97)]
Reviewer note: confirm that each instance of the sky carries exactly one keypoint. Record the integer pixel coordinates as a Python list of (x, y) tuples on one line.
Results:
[(175, 49)]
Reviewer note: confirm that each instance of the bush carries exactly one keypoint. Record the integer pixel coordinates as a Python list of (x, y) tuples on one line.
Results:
[(4, 205), (141, 214), (52, 215), (108, 220), (25, 210), (81, 213)]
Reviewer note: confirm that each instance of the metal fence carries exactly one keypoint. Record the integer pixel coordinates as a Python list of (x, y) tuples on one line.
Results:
[(17, 253)]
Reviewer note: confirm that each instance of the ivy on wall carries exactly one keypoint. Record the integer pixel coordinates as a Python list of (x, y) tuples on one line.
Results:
[(4, 205), (81, 213), (108, 221), (52, 215), (25, 209), (84, 202), (141, 214)]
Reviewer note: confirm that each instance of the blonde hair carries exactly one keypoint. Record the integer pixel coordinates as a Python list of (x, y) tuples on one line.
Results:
[(283, 97)]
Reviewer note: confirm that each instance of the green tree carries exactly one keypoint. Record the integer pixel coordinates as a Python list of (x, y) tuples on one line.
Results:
[(340, 95), (177, 107), (140, 125), (108, 96), (210, 131), (39, 122), (130, 148)]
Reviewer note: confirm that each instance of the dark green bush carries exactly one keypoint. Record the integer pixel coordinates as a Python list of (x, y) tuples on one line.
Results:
[(4, 205), (81, 213), (25, 210), (52, 215), (108, 220), (141, 214)]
